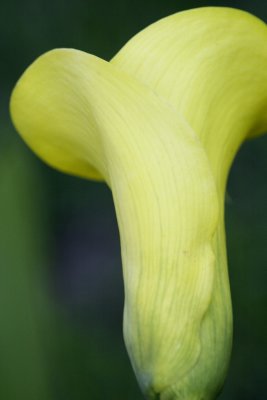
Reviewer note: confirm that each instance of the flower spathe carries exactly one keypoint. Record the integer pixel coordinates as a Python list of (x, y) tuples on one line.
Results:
[(160, 124)]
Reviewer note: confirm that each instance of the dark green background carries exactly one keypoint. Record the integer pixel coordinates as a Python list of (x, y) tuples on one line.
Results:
[(61, 290)]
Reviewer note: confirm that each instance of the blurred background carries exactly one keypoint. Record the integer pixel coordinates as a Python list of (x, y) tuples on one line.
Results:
[(61, 289)]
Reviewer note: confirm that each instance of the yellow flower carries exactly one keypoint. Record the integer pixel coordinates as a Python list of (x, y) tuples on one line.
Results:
[(160, 124)]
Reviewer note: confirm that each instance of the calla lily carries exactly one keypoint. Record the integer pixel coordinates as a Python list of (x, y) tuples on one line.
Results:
[(160, 124)]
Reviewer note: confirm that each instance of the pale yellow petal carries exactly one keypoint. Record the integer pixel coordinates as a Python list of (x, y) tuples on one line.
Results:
[(84, 116)]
